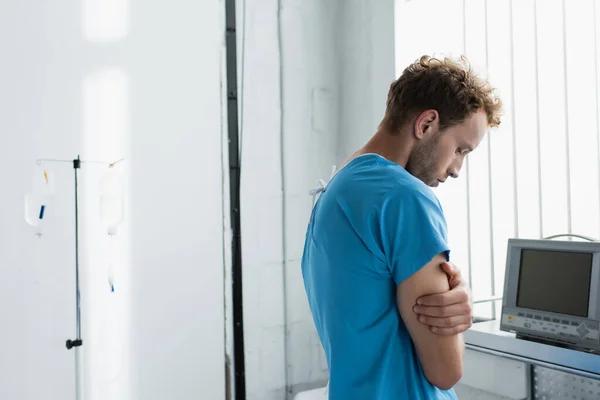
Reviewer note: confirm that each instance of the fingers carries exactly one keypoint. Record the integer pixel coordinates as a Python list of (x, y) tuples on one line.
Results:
[(453, 272), (450, 331), (445, 299), (447, 322), (449, 268), (443, 312)]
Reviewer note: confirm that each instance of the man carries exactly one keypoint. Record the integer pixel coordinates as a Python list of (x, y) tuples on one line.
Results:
[(376, 258)]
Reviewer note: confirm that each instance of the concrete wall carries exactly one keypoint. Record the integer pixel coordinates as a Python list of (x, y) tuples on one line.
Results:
[(111, 79), (261, 199)]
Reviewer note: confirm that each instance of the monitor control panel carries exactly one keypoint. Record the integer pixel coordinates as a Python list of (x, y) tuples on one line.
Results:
[(573, 331)]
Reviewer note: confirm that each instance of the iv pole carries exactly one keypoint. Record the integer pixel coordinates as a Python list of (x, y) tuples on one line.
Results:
[(77, 343)]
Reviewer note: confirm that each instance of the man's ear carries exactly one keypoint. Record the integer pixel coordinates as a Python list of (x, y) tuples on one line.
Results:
[(426, 124)]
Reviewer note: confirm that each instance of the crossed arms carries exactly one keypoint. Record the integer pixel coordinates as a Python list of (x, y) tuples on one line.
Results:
[(435, 306)]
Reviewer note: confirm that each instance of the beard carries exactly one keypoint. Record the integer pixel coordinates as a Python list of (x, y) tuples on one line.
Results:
[(422, 161)]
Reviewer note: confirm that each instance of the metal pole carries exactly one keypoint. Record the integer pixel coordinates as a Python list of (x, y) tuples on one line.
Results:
[(76, 167), (77, 343)]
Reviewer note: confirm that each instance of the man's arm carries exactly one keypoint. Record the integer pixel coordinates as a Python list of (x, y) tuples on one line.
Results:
[(440, 356), (450, 312)]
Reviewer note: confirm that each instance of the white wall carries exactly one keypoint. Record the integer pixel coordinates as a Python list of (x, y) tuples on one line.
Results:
[(367, 68), (261, 199), (304, 110), (106, 80)]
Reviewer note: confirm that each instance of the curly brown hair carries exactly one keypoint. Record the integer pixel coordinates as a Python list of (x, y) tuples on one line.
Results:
[(447, 85)]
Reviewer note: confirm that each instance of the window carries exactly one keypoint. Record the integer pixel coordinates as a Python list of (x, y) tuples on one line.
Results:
[(538, 174)]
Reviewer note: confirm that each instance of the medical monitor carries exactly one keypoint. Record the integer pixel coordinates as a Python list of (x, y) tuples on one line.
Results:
[(552, 292)]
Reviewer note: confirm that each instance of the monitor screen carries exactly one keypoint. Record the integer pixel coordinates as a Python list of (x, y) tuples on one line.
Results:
[(554, 281)]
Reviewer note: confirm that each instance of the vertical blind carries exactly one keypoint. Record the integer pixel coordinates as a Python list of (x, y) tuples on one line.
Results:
[(538, 173)]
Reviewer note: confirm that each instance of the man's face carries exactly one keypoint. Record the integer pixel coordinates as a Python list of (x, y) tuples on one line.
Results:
[(441, 155)]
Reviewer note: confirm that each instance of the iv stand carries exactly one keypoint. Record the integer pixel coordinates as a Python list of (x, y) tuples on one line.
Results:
[(77, 343)]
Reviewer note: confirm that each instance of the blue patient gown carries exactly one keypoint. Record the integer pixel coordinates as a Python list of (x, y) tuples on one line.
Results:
[(373, 226)]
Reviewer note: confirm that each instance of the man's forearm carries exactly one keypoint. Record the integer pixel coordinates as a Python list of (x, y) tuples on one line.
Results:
[(447, 369)]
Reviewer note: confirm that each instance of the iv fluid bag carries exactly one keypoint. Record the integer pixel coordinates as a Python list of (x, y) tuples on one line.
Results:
[(37, 208), (111, 199)]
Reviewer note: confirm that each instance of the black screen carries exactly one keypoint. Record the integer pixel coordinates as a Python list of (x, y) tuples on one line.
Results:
[(554, 281)]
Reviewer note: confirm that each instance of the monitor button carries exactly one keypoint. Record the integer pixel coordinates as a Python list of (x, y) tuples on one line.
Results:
[(529, 315), (538, 317), (582, 330), (556, 320), (574, 323), (521, 314), (564, 321), (546, 319)]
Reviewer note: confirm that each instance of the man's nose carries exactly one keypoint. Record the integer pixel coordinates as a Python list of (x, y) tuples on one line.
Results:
[(454, 169)]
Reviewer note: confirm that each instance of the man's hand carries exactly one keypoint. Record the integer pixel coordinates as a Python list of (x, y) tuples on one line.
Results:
[(448, 313)]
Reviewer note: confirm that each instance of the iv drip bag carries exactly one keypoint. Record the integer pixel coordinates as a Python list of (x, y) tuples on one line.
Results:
[(111, 199)]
